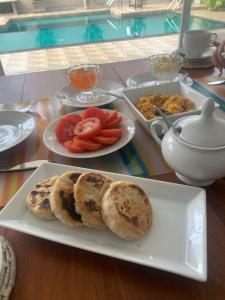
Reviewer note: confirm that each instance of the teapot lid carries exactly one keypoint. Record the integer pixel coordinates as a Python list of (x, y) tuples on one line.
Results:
[(203, 130)]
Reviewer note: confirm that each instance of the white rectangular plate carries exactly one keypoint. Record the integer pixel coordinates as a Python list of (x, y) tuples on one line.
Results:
[(176, 241)]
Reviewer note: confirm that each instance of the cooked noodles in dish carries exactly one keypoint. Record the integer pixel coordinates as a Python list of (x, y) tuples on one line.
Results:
[(171, 103)]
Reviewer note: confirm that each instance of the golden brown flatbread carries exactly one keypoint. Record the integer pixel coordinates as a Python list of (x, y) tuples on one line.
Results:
[(126, 210), (62, 200), (89, 190), (38, 199)]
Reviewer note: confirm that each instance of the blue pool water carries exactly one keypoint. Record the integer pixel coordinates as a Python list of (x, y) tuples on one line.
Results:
[(75, 30)]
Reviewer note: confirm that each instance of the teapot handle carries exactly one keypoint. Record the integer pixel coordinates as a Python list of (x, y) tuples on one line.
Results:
[(156, 127)]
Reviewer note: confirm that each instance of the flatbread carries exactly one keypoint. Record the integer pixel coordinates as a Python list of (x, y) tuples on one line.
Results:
[(38, 199), (89, 190), (62, 200), (126, 210)]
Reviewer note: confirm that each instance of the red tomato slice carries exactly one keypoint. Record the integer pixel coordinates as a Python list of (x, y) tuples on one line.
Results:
[(88, 128), (95, 112), (71, 147), (114, 132), (105, 140), (106, 113), (111, 116), (73, 118), (65, 126), (86, 144), (113, 123)]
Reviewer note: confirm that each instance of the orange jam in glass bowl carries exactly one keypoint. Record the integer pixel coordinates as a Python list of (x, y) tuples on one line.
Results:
[(84, 77)]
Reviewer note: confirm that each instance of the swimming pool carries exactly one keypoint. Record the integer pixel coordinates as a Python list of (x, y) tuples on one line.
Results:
[(74, 30)]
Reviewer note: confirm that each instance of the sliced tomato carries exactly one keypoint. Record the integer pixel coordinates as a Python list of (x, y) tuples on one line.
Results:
[(73, 118), (71, 147), (111, 116), (95, 112), (107, 112), (113, 123), (114, 132), (105, 140), (65, 127), (86, 144), (88, 128)]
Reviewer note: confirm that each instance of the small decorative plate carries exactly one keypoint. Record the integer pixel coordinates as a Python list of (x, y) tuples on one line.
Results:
[(67, 95)]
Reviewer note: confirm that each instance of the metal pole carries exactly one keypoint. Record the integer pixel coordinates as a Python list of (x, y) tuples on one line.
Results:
[(186, 9), (1, 69), (14, 8)]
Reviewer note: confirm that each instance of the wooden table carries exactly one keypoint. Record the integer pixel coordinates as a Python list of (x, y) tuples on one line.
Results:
[(15, 88), (47, 270)]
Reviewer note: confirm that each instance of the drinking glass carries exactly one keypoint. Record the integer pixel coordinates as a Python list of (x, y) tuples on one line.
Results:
[(83, 78)]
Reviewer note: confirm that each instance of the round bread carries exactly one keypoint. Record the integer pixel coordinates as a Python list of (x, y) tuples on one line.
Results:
[(62, 200), (38, 199), (126, 210), (89, 190)]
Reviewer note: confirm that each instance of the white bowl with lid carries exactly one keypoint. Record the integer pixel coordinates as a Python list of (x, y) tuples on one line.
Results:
[(197, 150)]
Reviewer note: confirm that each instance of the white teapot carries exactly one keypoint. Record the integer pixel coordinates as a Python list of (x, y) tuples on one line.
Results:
[(195, 149)]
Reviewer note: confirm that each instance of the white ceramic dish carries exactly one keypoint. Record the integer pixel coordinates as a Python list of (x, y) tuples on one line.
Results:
[(53, 145), (148, 79), (15, 127), (67, 95), (172, 88), (175, 243)]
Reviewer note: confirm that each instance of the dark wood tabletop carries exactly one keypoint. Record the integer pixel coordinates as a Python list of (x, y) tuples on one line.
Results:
[(48, 270), (37, 85)]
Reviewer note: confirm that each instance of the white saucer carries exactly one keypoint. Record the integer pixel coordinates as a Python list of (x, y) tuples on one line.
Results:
[(53, 145), (14, 128), (67, 94), (204, 55), (148, 79)]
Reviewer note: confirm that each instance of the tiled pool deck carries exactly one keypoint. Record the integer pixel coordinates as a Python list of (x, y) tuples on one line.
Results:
[(57, 58)]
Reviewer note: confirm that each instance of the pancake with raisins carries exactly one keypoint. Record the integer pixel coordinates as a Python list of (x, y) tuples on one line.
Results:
[(62, 200), (126, 210), (89, 190), (38, 199)]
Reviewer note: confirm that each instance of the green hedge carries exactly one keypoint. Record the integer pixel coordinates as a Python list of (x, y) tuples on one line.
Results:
[(214, 3)]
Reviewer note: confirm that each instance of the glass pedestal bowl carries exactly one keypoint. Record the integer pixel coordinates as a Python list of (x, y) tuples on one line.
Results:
[(165, 67), (84, 78)]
